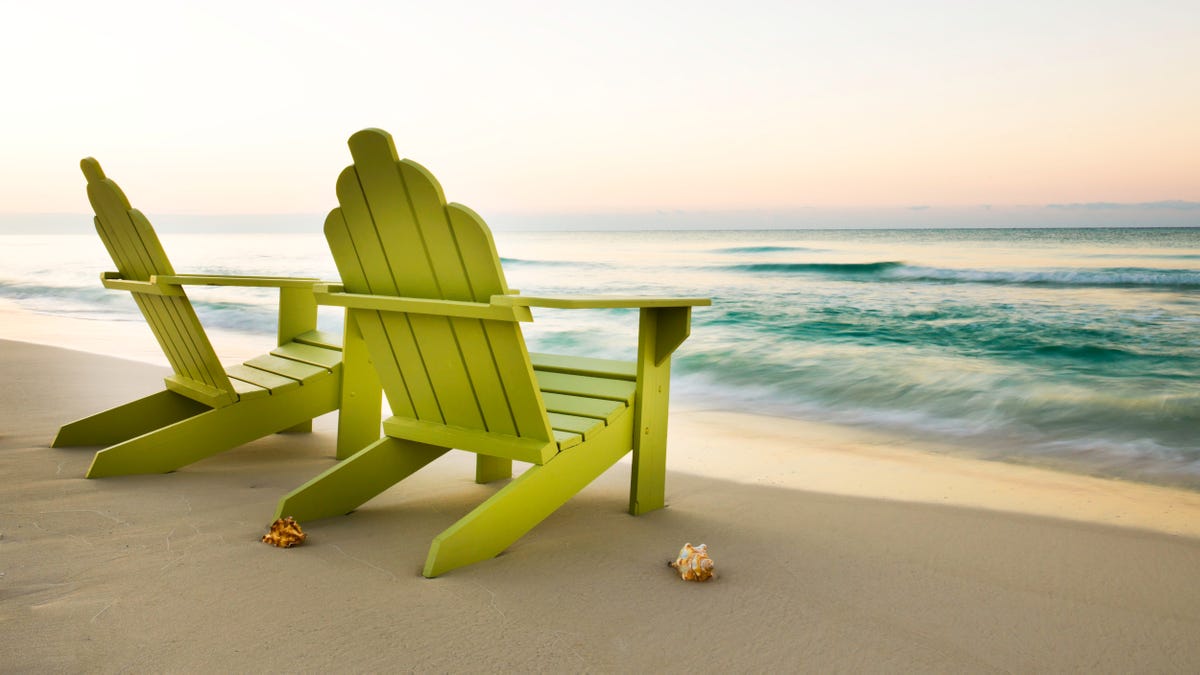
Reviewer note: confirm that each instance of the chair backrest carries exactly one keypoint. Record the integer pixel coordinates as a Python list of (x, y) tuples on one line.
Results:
[(137, 253), (394, 234)]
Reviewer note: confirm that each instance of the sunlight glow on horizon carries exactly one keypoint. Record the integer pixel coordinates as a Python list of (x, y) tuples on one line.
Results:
[(518, 107)]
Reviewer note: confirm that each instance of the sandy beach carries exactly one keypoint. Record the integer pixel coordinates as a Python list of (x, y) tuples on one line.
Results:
[(835, 550)]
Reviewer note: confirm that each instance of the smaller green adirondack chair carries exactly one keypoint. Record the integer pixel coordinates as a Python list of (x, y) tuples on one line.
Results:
[(205, 408), (428, 304)]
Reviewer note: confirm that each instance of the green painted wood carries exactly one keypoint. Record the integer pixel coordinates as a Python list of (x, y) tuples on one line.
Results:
[(394, 222), (516, 508), (596, 302), (490, 469), (114, 281), (424, 286), (320, 338), (521, 449), (297, 313), (198, 391), (268, 394), (261, 378), (429, 306), (440, 355), (402, 346), (598, 408), (359, 416), (383, 189), (129, 420), (428, 206), (582, 365), (138, 254), (345, 255), (316, 356), (583, 385), (248, 281), (477, 251), (647, 488), (363, 237), (247, 391), (516, 374), (355, 480), (566, 439), (485, 377), (176, 313), (303, 372), (375, 337), (208, 433), (584, 426), (674, 326)]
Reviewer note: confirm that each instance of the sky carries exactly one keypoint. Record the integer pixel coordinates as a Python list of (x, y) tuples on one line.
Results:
[(772, 112)]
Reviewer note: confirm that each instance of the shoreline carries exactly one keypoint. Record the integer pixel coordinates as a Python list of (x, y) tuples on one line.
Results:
[(925, 471)]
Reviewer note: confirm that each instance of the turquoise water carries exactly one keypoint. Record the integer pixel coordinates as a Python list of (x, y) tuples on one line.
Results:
[(1076, 348)]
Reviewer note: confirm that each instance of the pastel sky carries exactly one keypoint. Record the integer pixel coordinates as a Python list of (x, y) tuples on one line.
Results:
[(564, 107)]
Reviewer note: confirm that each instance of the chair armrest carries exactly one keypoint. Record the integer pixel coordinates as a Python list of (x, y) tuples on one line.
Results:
[(115, 281), (333, 294), (234, 280), (297, 308), (595, 302)]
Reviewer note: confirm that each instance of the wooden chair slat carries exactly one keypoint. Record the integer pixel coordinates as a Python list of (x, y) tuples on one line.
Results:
[(602, 409), (269, 381), (584, 385), (248, 391), (584, 426), (391, 214), (443, 362), (395, 388), (583, 365), (317, 356), (485, 377), (320, 338), (355, 238), (295, 370), (403, 348)]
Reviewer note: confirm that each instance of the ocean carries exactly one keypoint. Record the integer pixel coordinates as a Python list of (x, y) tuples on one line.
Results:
[(1077, 349)]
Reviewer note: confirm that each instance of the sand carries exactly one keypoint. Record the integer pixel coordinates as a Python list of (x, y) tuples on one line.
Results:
[(836, 549)]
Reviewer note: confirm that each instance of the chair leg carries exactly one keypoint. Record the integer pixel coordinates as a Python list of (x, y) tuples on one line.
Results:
[(128, 421), (519, 506), (350, 483), (362, 395), (660, 332), (192, 439), (489, 469)]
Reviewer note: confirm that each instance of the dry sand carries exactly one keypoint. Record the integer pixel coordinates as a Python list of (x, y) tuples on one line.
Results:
[(835, 549)]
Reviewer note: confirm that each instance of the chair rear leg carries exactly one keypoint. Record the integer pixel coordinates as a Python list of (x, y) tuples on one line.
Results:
[(489, 469), (217, 430), (128, 421), (356, 479), (519, 506)]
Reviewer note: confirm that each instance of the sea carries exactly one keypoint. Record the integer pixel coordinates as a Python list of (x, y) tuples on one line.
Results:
[(1077, 349)]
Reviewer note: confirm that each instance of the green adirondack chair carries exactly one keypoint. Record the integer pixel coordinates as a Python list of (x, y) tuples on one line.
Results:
[(205, 408), (425, 294)]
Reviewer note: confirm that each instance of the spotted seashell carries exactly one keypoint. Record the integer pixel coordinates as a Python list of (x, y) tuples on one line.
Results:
[(693, 563)]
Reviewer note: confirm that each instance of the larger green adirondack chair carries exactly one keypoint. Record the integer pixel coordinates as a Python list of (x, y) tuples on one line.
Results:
[(425, 293), (205, 408)]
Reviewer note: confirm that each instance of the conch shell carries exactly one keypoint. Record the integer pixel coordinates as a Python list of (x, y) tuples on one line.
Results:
[(693, 563), (285, 533)]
